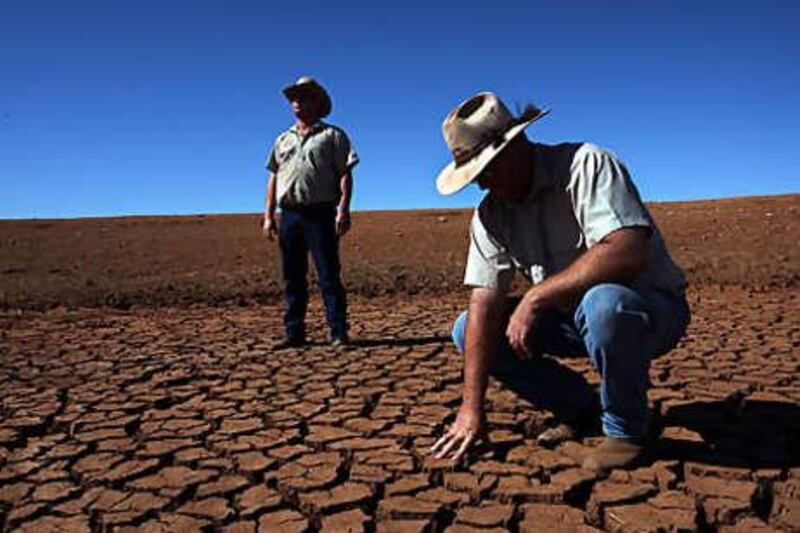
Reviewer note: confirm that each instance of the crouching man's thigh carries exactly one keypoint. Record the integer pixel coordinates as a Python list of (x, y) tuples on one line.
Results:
[(646, 320)]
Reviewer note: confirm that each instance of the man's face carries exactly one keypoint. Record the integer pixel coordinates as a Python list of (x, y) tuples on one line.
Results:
[(507, 175), (305, 106)]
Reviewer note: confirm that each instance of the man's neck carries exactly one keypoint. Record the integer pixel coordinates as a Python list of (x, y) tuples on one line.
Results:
[(531, 170), (527, 172), (304, 126)]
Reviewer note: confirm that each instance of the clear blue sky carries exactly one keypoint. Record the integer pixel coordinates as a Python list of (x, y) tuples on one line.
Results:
[(168, 107)]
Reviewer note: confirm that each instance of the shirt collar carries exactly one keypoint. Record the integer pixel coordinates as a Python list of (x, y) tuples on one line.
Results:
[(316, 127)]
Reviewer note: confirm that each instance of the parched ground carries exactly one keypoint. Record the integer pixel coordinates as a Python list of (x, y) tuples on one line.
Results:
[(185, 419), (140, 387)]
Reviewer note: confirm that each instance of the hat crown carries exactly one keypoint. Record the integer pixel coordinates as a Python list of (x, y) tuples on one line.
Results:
[(303, 80), (474, 121)]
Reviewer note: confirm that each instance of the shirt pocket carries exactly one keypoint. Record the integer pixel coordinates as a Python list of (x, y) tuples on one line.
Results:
[(286, 151), (320, 156)]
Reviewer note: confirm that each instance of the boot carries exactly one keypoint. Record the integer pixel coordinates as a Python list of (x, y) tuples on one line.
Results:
[(552, 437), (614, 453), (586, 422)]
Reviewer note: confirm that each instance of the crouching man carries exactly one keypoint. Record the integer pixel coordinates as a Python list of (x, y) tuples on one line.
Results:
[(569, 218)]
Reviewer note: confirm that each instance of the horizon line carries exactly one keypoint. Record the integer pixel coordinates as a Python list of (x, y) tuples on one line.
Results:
[(368, 210)]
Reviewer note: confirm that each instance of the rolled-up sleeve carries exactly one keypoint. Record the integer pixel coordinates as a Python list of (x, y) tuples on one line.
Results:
[(604, 198), (272, 160), (488, 264), (345, 156)]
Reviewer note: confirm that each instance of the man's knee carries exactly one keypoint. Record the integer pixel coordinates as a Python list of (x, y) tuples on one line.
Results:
[(329, 285), (459, 332), (609, 310)]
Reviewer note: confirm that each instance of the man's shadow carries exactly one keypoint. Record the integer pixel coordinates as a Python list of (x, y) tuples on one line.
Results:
[(385, 341), (733, 432), (395, 341), (546, 383)]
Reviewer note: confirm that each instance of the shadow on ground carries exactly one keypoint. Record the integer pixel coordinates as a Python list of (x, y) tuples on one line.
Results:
[(733, 432), (395, 341)]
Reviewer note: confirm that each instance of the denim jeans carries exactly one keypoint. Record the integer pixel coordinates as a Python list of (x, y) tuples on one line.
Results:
[(620, 329), (303, 230)]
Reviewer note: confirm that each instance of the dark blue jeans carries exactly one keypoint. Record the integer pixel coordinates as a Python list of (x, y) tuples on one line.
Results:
[(620, 329), (303, 230)]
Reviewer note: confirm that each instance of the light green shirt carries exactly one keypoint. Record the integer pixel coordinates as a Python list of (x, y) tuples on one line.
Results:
[(580, 193), (308, 170)]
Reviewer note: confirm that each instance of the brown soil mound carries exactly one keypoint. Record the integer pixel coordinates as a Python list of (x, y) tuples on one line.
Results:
[(210, 259)]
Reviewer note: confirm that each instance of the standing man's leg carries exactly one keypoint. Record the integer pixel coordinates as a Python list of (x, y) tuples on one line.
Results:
[(324, 245), (623, 329), (294, 261)]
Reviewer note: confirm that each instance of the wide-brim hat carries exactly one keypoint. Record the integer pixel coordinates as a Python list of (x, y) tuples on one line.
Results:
[(476, 132), (310, 86)]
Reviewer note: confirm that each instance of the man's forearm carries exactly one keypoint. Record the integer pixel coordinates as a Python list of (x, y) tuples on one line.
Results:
[(482, 340), (619, 258), (346, 187), (269, 202)]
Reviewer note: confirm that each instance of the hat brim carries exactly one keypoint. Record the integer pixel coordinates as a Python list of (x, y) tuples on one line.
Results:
[(452, 178), (311, 88)]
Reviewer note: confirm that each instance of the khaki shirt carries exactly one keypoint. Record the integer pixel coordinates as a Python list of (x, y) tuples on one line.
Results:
[(308, 170), (580, 193)]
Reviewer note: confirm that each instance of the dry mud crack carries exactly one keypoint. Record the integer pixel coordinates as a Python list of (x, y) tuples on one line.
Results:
[(188, 419)]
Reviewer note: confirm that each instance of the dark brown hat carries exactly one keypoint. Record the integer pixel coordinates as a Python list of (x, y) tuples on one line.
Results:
[(308, 85)]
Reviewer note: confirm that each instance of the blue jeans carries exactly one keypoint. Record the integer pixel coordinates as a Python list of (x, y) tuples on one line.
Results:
[(621, 329), (303, 230)]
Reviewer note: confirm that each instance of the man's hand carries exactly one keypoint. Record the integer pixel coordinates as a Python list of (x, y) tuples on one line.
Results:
[(342, 221), (520, 327), (470, 425), (270, 227), (620, 257)]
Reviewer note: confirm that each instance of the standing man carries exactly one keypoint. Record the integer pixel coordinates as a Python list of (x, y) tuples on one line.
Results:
[(569, 218), (310, 178)]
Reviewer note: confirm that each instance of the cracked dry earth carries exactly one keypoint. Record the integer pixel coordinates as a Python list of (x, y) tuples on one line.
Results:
[(188, 419)]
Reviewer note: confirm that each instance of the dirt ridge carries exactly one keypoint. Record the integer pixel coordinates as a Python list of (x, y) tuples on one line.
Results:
[(223, 259)]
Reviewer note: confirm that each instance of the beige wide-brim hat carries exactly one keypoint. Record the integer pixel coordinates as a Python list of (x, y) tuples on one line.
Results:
[(308, 85), (476, 132)]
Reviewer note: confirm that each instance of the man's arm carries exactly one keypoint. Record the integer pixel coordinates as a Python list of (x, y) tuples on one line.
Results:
[(343, 209), (482, 341), (270, 227), (620, 257)]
